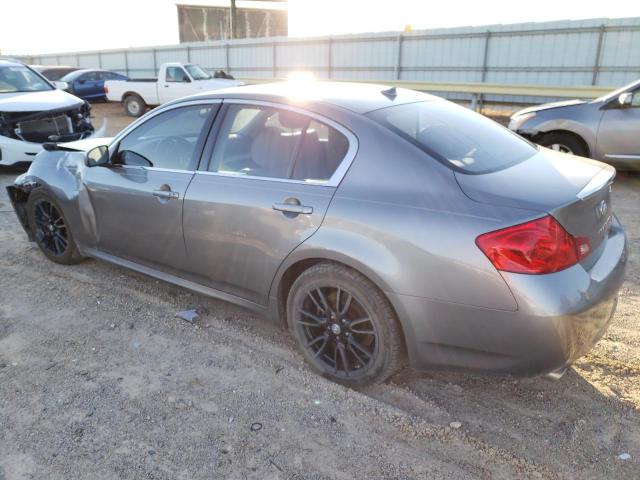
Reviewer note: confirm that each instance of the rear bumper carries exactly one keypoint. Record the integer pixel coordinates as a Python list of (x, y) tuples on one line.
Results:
[(559, 318)]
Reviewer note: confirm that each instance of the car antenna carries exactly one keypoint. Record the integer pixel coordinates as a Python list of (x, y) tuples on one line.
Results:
[(390, 93)]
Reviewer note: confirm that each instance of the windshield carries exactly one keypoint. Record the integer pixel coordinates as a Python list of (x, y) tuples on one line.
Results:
[(616, 93), (456, 136), (197, 73), (18, 78)]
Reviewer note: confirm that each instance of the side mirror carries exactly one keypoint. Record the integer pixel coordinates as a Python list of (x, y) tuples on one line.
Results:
[(60, 85), (97, 156), (625, 99), (81, 81)]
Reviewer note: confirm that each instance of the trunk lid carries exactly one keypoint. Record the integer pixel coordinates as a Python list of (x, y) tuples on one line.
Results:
[(574, 190)]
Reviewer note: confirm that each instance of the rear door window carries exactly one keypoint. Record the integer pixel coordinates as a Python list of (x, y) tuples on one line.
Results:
[(456, 136), (268, 142), (322, 150)]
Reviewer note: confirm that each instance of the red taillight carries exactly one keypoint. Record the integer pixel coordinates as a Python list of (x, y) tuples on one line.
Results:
[(536, 247), (106, 89)]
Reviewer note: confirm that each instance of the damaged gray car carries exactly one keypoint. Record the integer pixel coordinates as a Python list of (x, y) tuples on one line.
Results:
[(376, 224), (33, 111)]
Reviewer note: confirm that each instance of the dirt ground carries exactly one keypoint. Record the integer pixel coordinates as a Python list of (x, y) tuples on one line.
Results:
[(99, 380)]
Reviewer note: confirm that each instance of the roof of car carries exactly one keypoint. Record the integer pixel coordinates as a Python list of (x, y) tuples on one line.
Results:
[(357, 97), (5, 62)]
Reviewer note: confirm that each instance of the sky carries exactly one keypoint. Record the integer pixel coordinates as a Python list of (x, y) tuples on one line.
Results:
[(45, 26)]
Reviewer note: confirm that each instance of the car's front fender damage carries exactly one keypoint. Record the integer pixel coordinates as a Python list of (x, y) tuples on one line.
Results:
[(19, 195)]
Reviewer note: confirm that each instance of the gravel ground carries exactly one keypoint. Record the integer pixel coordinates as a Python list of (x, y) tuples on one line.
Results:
[(98, 379)]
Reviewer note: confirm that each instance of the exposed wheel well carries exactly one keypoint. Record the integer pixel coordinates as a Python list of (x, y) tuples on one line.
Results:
[(564, 132), (129, 94)]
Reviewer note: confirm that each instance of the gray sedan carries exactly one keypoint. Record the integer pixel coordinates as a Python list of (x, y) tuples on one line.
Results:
[(378, 225), (606, 129)]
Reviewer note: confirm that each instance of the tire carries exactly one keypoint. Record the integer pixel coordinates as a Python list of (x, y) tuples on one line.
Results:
[(50, 229), (563, 142), (354, 342), (134, 106)]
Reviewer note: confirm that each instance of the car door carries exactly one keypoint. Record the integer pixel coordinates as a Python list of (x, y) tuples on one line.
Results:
[(83, 84), (619, 131), (137, 200), (270, 177), (177, 84)]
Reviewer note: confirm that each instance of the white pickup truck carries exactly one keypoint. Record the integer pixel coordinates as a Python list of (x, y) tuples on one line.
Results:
[(175, 80)]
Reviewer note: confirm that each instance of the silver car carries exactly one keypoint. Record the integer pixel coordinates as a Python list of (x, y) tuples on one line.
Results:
[(605, 129), (378, 225)]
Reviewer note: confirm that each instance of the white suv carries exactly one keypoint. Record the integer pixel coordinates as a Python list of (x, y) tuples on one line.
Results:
[(33, 111)]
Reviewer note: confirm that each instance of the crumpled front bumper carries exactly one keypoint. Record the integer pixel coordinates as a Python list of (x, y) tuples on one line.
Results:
[(14, 151)]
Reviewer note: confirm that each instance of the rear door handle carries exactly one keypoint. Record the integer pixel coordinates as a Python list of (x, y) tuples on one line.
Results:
[(168, 194), (293, 208)]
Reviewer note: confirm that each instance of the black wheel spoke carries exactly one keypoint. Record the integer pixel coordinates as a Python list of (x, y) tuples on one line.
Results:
[(315, 302), (347, 304), (364, 331), (315, 340), (323, 299), (362, 349), (357, 321), (356, 354), (322, 347), (343, 358), (317, 321)]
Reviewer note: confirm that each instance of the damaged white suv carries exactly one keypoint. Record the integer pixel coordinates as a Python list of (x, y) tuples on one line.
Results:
[(33, 112)]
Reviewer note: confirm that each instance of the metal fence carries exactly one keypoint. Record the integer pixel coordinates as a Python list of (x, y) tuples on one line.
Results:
[(603, 52)]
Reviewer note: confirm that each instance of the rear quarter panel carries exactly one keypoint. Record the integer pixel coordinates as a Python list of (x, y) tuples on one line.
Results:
[(400, 219)]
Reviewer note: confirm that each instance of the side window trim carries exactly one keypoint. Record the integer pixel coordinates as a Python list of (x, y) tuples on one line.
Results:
[(215, 105), (335, 179)]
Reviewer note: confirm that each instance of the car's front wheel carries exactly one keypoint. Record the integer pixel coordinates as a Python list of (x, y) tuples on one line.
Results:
[(344, 325), (563, 142), (51, 230)]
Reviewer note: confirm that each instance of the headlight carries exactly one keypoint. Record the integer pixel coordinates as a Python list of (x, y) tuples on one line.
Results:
[(518, 120)]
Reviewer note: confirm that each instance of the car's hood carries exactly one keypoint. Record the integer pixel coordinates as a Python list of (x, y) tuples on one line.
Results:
[(549, 106), (542, 183), (37, 101), (86, 144)]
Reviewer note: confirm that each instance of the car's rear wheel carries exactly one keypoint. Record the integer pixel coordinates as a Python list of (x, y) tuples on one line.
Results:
[(134, 106), (51, 230), (563, 142), (344, 325)]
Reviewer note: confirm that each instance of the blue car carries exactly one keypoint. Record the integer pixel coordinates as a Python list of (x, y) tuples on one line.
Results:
[(89, 84)]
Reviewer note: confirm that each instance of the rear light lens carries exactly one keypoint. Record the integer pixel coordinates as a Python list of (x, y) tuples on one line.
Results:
[(106, 89), (537, 247)]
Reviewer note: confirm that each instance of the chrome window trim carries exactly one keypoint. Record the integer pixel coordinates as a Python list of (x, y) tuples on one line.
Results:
[(157, 111), (149, 115), (153, 169), (338, 174)]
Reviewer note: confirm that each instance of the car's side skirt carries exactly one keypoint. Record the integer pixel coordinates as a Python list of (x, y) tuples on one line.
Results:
[(167, 277)]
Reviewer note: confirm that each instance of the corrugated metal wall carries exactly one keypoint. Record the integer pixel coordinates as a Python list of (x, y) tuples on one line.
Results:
[(575, 53)]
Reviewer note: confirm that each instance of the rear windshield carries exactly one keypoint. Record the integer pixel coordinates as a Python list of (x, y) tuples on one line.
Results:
[(456, 136)]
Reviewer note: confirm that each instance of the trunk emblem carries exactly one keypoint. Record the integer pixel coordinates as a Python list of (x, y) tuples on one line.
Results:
[(601, 209)]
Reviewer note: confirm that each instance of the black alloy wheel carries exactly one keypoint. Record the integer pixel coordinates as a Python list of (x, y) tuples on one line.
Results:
[(51, 231), (338, 330), (345, 325)]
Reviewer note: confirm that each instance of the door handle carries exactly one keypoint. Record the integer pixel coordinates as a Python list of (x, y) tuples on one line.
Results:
[(168, 194), (293, 208)]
